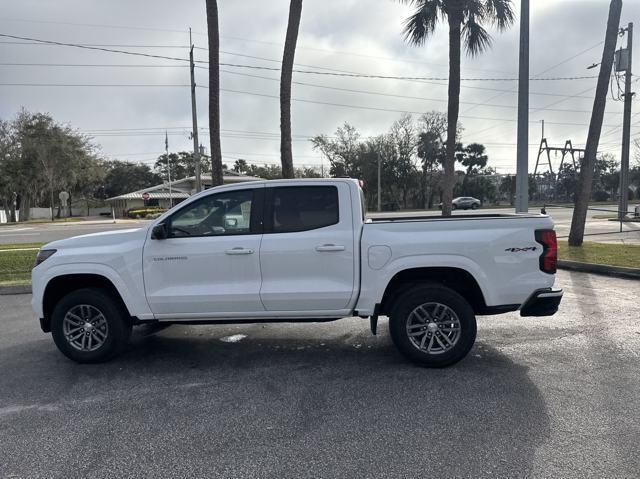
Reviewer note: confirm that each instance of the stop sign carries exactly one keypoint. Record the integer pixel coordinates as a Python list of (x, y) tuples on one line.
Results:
[(145, 196)]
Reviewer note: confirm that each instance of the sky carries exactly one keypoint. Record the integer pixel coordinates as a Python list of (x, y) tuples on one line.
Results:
[(127, 102)]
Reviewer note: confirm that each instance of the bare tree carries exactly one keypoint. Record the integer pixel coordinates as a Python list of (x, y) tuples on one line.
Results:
[(576, 235), (286, 156), (214, 92)]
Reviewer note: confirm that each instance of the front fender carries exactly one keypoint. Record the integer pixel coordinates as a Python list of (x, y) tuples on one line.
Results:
[(132, 294)]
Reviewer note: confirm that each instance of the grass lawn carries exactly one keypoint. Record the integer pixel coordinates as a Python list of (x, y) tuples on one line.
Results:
[(601, 253), (15, 266)]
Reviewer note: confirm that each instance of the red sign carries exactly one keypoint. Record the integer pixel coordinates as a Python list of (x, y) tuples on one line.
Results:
[(145, 196)]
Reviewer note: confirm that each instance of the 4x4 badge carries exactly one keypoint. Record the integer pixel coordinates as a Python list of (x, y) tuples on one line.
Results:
[(521, 250)]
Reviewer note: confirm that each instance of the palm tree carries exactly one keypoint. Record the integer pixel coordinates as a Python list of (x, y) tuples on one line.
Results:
[(286, 157), (214, 92), (466, 19)]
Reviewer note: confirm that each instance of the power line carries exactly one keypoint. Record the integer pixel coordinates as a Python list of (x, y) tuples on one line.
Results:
[(255, 67), (493, 97), (392, 95), (83, 65), (101, 85), (119, 45), (383, 109), (87, 47), (391, 77), (299, 47)]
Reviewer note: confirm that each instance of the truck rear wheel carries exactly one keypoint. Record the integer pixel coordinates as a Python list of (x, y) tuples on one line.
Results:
[(432, 325), (90, 326)]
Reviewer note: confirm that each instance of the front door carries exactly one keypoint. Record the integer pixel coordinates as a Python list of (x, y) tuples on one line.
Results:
[(307, 251), (209, 263)]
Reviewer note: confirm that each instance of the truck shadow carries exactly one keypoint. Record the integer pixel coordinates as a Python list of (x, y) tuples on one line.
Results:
[(347, 405)]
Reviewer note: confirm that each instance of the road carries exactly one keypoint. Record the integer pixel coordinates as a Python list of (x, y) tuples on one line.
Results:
[(46, 232), (536, 398)]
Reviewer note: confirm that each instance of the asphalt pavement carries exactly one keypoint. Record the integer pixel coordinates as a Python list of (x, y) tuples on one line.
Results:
[(535, 398)]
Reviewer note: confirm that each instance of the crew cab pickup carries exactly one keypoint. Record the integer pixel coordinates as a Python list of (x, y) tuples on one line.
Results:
[(296, 251)]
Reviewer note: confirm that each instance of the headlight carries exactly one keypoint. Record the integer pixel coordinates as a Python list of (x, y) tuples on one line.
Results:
[(43, 254)]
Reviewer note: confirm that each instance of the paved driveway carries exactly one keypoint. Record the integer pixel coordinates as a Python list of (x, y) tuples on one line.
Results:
[(538, 397)]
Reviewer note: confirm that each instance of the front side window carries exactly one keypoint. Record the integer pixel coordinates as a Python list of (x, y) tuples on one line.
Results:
[(302, 208), (227, 213)]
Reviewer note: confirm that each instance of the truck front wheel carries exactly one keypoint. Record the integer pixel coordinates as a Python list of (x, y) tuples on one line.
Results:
[(432, 325), (90, 326)]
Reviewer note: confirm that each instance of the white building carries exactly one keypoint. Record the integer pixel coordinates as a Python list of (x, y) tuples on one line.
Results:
[(159, 195)]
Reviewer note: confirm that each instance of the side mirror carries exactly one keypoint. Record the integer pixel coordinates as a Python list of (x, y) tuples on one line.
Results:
[(159, 232)]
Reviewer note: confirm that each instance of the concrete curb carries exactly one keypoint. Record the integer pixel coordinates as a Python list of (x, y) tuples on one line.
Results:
[(618, 271), (17, 289)]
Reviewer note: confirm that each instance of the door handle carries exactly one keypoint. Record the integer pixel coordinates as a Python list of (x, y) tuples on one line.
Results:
[(329, 247), (239, 250)]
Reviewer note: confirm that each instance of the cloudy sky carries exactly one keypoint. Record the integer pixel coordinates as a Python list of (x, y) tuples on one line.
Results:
[(355, 36)]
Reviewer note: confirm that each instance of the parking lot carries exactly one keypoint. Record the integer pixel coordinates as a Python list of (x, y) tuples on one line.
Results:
[(536, 397)]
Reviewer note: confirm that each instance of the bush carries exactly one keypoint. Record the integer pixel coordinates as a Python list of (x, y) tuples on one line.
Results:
[(137, 213), (600, 196)]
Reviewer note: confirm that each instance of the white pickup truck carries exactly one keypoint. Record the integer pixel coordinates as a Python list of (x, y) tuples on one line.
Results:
[(296, 251)]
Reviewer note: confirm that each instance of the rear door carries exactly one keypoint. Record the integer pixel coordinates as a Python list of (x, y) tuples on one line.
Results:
[(307, 252)]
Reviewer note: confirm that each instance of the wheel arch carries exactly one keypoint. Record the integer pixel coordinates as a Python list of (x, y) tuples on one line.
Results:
[(60, 286), (457, 279)]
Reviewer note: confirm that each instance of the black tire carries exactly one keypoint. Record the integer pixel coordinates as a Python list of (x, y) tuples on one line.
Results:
[(116, 332), (401, 318), (474, 206), (454, 207)]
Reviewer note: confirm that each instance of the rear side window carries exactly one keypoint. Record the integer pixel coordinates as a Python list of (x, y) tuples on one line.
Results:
[(302, 208)]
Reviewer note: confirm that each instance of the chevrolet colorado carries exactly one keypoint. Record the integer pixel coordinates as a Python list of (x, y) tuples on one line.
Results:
[(296, 250)]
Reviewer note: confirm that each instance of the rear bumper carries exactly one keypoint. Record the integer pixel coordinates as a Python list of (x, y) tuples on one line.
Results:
[(543, 302)]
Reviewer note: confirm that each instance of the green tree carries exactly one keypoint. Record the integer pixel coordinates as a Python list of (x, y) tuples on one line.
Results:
[(343, 151), (182, 165), (286, 156), (123, 177), (466, 19), (52, 158), (240, 166), (9, 169)]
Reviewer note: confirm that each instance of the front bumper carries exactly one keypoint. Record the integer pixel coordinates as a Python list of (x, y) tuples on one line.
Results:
[(543, 302)]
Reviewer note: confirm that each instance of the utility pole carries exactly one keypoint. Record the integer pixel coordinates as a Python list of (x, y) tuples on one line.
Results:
[(626, 130), (166, 152), (194, 118), (522, 169), (379, 187)]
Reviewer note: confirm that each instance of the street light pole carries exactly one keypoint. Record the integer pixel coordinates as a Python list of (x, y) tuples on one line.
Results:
[(522, 169), (166, 152), (626, 130)]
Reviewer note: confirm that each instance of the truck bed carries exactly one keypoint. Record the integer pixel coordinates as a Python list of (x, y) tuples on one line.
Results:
[(455, 217)]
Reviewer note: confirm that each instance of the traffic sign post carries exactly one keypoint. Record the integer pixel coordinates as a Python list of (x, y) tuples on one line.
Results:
[(64, 197)]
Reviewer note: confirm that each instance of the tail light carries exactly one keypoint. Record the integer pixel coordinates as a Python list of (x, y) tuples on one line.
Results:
[(549, 256)]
